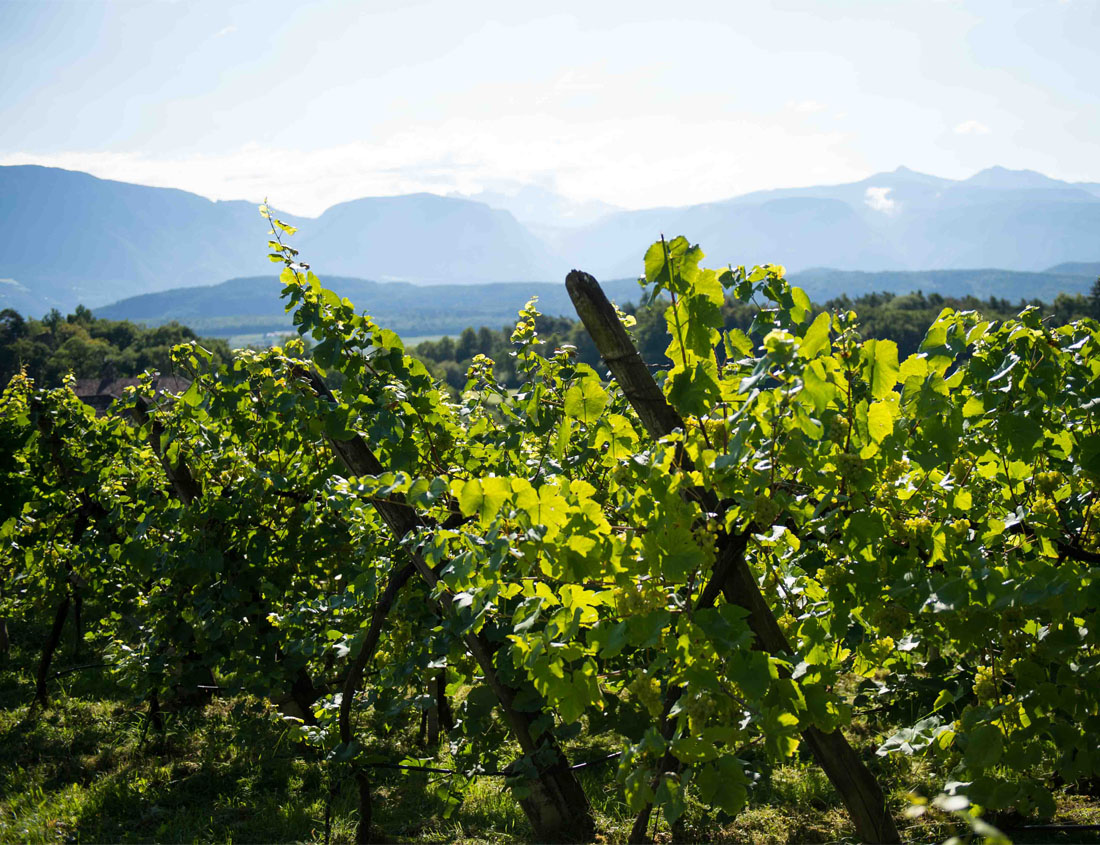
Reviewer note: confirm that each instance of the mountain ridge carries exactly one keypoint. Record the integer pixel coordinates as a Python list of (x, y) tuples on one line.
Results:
[(252, 306), (71, 237)]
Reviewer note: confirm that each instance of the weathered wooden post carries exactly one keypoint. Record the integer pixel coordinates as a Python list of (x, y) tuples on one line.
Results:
[(555, 803), (731, 576)]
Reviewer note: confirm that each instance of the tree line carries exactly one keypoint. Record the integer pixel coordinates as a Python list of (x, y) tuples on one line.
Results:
[(90, 347), (903, 319)]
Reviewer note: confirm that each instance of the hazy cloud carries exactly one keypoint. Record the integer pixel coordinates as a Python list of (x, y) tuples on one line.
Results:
[(972, 127), (806, 106), (633, 163), (878, 199), (225, 31)]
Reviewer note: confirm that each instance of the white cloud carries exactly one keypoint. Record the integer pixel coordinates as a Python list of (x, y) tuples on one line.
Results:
[(806, 106), (971, 127), (634, 163), (878, 199), (226, 30)]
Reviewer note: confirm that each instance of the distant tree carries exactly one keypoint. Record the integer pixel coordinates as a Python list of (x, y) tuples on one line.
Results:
[(486, 340), (82, 315), (12, 325), (52, 320), (466, 347), (1094, 299)]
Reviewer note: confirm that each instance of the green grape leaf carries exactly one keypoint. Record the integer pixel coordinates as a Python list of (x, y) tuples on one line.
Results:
[(693, 750), (586, 400), (984, 747), (483, 497), (880, 420), (694, 391), (816, 339), (737, 343), (722, 784), (880, 366), (802, 305)]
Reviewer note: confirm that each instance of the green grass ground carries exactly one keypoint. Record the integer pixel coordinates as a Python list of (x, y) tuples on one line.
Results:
[(88, 770)]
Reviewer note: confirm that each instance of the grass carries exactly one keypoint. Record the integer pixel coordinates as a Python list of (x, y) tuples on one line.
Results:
[(87, 770)]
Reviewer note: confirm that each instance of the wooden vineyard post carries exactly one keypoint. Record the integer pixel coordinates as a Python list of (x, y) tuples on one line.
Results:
[(555, 802), (731, 577)]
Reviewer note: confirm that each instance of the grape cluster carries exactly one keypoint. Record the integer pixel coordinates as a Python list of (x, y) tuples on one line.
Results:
[(882, 649), (765, 510), (699, 707), (648, 692), (1048, 482), (639, 598), (891, 620), (1044, 506), (895, 470), (838, 429), (960, 468), (960, 528), (918, 527), (788, 624), (985, 687), (848, 465), (1092, 521), (832, 575)]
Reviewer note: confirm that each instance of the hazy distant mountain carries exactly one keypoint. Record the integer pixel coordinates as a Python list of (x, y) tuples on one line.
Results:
[(539, 208), (68, 237), (1077, 268), (252, 305), (824, 283), (426, 238), (902, 220)]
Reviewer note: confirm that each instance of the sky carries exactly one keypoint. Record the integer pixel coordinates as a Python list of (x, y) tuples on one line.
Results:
[(638, 103)]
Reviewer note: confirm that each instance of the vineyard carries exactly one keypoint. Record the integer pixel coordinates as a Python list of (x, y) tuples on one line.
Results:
[(625, 596)]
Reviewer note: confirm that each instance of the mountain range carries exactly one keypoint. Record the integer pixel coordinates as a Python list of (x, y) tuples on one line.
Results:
[(70, 238), (247, 309), (251, 306)]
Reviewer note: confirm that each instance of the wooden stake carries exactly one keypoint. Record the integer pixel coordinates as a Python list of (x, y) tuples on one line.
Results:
[(731, 576), (555, 802)]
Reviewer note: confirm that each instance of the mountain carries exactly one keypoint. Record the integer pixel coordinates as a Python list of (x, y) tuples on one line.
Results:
[(901, 220), (539, 208), (822, 284), (1077, 268), (252, 305), (426, 238), (71, 238)]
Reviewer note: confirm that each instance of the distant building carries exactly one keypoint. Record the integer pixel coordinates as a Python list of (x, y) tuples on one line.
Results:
[(101, 393)]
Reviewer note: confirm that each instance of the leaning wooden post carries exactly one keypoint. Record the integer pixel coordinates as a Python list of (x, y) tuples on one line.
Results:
[(731, 576), (555, 803)]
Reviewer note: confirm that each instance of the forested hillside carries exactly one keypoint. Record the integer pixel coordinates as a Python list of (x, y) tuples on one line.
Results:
[(89, 348)]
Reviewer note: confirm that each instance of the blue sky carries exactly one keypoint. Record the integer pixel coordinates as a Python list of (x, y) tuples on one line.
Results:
[(636, 103)]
